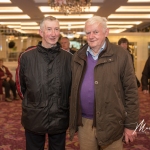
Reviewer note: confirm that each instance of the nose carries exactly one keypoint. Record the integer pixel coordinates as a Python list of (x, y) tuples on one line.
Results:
[(91, 35), (53, 33)]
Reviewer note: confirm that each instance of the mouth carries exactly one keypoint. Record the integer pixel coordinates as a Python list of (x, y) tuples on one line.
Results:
[(53, 39), (91, 41)]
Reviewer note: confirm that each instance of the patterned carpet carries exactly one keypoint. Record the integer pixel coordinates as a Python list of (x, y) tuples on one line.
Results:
[(12, 133)]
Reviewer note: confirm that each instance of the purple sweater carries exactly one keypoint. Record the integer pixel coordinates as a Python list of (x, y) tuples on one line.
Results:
[(87, 89)]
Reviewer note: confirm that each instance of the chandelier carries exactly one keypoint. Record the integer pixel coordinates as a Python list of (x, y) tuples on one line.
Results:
[(70, 6)]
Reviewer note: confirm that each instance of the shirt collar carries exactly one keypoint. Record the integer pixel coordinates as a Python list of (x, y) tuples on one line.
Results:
[(91, 52)]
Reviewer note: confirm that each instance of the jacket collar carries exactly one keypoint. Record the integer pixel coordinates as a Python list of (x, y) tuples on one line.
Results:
[(52, 50), (107, 52)]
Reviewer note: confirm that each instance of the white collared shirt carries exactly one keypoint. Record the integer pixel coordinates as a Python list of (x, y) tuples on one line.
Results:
[(95, 57)]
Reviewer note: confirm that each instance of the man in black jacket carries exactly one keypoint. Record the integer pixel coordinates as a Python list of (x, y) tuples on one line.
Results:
[(43, 80)]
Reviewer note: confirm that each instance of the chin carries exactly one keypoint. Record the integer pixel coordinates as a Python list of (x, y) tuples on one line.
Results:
[(92, 45), (53, 43)]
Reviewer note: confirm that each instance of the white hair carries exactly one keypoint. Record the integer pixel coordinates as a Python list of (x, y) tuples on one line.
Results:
[(50, 18), (97, 19)]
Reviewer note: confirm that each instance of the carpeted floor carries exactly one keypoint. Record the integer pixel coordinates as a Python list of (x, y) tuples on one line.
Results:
[(12, 133)]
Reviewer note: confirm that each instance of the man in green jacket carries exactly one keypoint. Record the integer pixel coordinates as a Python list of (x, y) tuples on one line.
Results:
[(104, 97)]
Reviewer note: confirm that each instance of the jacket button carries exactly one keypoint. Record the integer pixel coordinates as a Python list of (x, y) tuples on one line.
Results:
[(96, 82), (98, 113)]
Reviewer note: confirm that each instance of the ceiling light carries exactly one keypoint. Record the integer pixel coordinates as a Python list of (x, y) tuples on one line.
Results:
[(116, 30), (19, 30), (83, 16), (133, 9), (13, 26), (29, 23), (10, 9), (69, 6), (72, 23), (61, 27), (5, 23), (30, 31), (110, 31), (127, 16), (5, 1), (81, 33), (120, 26), (124, 22), (70, 35), (14, 17), (138, 1), (19, 23), (27, 31), (49, 9), (31, 27), (71, 27)]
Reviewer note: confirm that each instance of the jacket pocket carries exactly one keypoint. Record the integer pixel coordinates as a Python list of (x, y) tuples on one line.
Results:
[(34, 117), (109, 131)]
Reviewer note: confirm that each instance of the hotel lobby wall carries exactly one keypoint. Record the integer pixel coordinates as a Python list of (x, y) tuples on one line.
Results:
[(141, 40), (3, 52), (21, 43)]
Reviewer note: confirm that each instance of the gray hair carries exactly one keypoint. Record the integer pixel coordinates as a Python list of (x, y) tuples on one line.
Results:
[(64, 37), (50, 18), (97, 19)]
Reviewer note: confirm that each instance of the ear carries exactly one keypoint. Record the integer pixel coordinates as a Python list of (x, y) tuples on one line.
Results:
[(106, 32), (41, 33)]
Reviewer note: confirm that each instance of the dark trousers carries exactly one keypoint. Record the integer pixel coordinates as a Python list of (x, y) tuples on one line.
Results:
[(37, 141), (9, 85)]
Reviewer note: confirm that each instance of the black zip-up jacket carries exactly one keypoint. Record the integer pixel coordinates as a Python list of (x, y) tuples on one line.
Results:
[(43, 79)]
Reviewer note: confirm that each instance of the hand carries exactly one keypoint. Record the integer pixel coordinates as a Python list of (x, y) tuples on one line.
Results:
[(145, 91), (4, 77), (129, 135), (7, 79)]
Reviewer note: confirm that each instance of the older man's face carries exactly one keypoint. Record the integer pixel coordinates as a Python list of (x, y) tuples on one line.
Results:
[(65, 43), (124, 45), (50, 33), (95, 36)]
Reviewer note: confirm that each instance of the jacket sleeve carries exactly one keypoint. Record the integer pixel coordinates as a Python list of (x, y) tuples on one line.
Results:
[(145, 75), (20, 81), (130, 94)]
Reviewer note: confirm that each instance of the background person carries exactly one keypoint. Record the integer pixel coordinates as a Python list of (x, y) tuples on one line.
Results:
[(104, 96), (124, 43), (7, 82), (145, 77), (43, 82), (65, 44)]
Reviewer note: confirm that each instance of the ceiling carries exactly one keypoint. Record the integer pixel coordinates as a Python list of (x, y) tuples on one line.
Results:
[(133, 17)]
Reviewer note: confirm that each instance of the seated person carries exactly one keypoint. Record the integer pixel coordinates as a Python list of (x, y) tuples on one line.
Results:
[(7, 82)]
